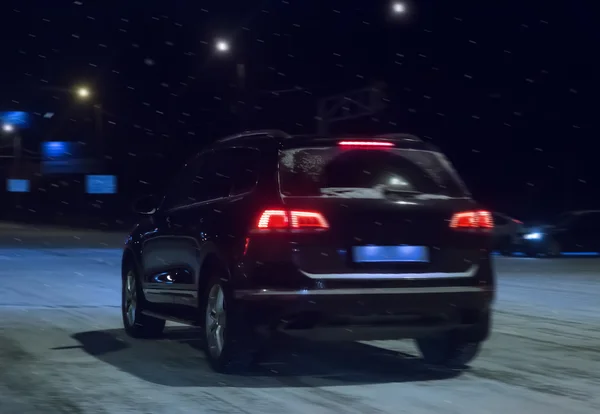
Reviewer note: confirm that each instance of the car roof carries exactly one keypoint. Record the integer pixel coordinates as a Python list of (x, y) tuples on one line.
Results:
[(283, 140)]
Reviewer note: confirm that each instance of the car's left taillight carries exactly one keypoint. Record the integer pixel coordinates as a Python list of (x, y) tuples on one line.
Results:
[(479, 219), (284, 219)]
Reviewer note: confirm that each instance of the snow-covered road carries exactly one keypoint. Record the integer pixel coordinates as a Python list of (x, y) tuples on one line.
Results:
[(62, 350)]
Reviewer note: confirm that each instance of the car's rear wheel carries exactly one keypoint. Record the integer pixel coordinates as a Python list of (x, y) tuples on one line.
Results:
[(133, 303), (448, 350), (229, 342)]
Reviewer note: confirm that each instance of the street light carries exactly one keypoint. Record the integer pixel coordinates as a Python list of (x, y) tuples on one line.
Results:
[(222, 46), (83, 93), (398, 8), (16, 139)]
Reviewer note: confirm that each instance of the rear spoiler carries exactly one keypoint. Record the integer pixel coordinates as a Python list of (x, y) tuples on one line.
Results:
[(401, 141)]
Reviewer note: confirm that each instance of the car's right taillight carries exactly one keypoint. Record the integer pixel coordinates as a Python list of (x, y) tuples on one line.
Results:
[(479, 219), (283, 219)]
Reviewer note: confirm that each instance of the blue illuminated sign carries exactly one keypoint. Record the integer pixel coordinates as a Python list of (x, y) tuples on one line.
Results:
[(65, 157), (55, 149), (15, 118), (101, 184), (17, 186)]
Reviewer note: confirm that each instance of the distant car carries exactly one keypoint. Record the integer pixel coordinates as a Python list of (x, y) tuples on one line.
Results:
[(324, 238), (573, 231), (507, 233)]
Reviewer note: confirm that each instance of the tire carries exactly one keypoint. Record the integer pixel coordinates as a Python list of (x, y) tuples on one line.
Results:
[(229, 343), (136, 324), (448, 350)]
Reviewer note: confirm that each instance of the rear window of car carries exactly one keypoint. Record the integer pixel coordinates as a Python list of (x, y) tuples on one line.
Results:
[(367, 173)]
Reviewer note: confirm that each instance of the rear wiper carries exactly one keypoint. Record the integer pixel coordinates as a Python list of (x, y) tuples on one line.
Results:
[(398, 191), (413, 194), (351, 192)]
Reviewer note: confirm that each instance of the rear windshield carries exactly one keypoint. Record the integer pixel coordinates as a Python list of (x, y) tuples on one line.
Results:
[(371, 173)]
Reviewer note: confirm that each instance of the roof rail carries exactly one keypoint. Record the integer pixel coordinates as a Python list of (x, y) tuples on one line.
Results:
[(271, 133)]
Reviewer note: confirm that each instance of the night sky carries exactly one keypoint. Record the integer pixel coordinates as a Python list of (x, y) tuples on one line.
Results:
[(506, 89)]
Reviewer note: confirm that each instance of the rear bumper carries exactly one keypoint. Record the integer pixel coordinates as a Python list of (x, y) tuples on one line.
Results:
[(370, 313), (353, 293)]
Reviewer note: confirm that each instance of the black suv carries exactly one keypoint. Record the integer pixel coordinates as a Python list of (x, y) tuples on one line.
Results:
[(325, 238)]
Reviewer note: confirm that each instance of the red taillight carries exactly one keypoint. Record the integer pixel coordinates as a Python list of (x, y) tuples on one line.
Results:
[(517, 221), (365, 144), (472, 220), (273, 219), (291, 219)]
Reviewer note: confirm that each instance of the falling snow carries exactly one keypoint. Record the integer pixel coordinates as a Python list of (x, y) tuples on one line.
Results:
[(489, 92)]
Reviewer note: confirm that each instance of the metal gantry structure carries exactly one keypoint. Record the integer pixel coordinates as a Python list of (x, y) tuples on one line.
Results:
[(350, 105)]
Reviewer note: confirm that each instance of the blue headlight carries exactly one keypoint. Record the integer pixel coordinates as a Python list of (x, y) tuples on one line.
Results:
[(533, 236)]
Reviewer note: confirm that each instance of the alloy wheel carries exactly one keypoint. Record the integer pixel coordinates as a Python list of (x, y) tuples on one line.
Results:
[(215, 320), (130, 298)]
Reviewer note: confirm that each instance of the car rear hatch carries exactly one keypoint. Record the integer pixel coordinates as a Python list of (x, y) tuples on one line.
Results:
[(388, 214)]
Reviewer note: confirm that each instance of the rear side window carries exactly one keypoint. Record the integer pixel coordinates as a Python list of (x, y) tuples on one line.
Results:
[(367, 173), (226, 172), (243, 166), (211, 180), (179, 188)]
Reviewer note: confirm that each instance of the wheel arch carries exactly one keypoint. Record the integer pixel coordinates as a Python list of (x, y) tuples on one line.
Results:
[(211, 260), (129, 259)]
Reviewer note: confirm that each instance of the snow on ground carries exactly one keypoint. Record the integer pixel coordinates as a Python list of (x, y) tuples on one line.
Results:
[(62, 350)]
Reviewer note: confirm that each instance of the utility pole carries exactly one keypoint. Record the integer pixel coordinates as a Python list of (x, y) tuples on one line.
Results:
[(17, 152), (98, 115), (17, 155), (350, 105), (240, 106)]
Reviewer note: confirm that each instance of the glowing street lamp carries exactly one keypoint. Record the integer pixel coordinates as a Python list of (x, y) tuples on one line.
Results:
[(8, 128), (222, 46), (83, 93), (398, 8)]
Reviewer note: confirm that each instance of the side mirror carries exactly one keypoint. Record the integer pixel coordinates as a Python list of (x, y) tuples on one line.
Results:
[(146, 205)]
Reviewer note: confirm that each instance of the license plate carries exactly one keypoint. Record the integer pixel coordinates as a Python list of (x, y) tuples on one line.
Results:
[(390, 254)]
